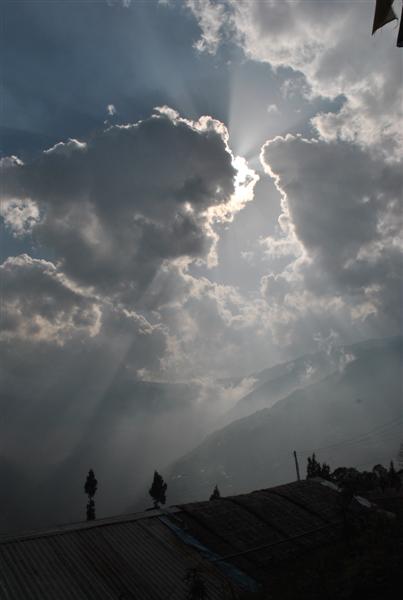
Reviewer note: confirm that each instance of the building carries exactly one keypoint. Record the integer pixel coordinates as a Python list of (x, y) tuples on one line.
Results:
[(228, 544)]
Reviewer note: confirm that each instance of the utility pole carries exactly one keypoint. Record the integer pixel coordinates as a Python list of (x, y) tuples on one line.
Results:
[(296, 465)]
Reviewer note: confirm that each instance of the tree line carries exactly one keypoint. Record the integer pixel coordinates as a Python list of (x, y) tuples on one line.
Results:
[(349, 479), (157, 492), (355, 481)]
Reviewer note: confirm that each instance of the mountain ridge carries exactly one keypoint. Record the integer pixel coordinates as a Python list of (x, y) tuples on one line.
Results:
[(257, 449)]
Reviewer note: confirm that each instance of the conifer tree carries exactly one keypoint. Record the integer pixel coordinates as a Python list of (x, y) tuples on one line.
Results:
[(216, 494), (393, 477), (158, 490), (315, 469), (382, 475), (400, 457), (90, 488)]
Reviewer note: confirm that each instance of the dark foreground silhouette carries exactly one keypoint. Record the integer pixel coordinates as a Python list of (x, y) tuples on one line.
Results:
[(306, 540)]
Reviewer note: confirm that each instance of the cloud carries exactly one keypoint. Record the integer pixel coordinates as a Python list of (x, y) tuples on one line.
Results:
[(39, 304), (121, 216), (20, 215), (215, 329), (69, 366), (210, 16), (123, 3), (341, 211), (90, 329), (335, 258), (330, 43), (273, 109), (116, 206), (81, 381)]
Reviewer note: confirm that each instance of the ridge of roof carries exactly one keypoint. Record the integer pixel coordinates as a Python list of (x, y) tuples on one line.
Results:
[(83, 525), (150, 513)]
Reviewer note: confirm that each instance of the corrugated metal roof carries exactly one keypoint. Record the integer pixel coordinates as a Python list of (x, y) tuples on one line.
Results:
[(140, 557)]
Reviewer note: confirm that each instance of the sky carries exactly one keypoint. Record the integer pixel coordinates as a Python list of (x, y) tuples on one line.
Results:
[(191, 190)]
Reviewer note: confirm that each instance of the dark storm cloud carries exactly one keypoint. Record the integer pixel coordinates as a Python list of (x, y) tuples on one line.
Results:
[(336, 193), (344, 207), (116, 206), (43, 310), (38, 303)]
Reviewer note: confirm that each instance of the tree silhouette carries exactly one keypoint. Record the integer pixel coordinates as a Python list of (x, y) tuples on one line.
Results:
[(158, 490), (90, 489), (394, 480), (216, 494), (351, 481), (400, 457), (382, 475), (315, 469)]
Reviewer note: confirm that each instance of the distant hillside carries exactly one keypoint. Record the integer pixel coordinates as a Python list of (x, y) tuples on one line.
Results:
[(277, 382), (331, 415)]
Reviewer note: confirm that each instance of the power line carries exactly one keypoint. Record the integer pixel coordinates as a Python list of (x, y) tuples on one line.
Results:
[(368, 440), (376, 431)]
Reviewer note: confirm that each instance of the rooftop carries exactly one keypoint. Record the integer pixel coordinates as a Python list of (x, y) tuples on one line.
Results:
[(230, 542)]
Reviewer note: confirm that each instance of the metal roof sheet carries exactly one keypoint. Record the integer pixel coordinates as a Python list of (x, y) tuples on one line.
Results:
[(138, 560), (140, 557)]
